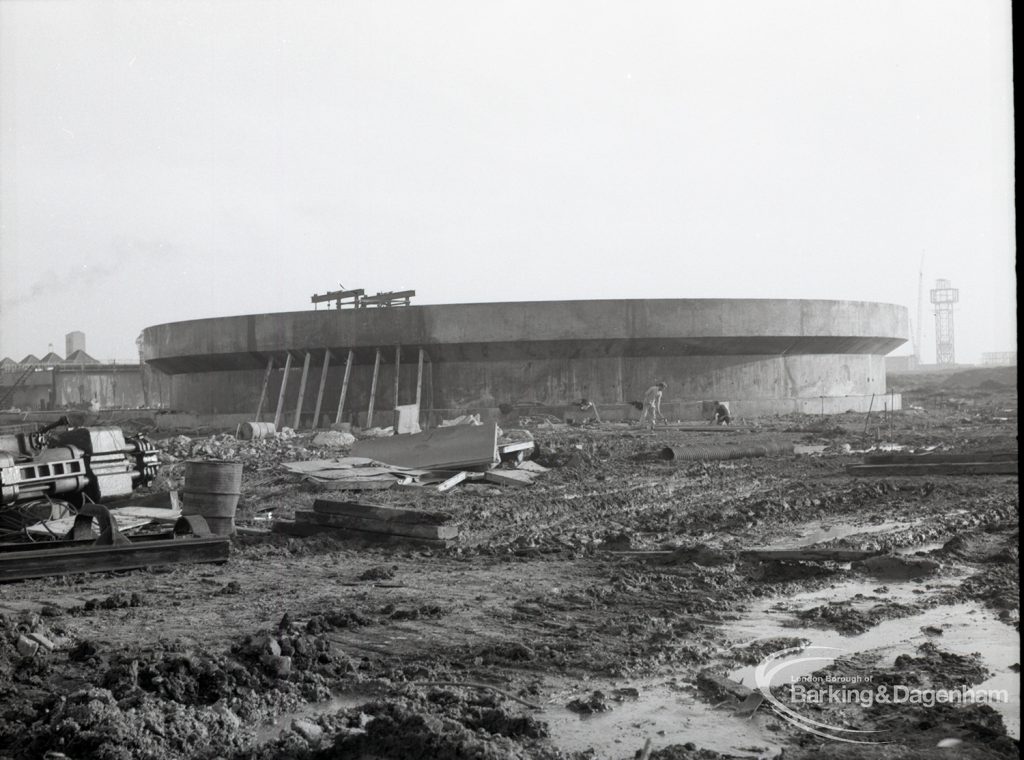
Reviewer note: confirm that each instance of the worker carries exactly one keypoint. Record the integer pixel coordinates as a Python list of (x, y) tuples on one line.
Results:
[(652, 404), (585, 405), (721, 415)]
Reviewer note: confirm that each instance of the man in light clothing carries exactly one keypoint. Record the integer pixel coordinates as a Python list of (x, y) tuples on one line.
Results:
[(652, 404)]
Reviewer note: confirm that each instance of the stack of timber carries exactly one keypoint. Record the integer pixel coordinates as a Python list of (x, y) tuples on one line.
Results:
[(370, 522), (1003, 462)]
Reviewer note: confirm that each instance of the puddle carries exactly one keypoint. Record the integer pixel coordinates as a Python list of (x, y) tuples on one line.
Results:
[(966, 629), (922, 548), (268, 732), (818, 532), (665, 712)]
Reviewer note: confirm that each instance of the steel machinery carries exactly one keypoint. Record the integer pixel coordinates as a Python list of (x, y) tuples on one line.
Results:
[(74, 464)]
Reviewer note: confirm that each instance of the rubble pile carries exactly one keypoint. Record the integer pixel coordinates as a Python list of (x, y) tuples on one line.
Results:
[(257, 455)]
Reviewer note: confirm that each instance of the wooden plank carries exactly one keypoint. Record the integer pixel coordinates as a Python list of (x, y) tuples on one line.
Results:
[(372, 525), (280, 396), (344, 386), (302, 391), (419, 378), (970, 458), (43, 563), (320, 392), (292, 528), (943, 468), (450, 448), (708, 555), (451, 482), (373, 389), (509, 477), (376, 511), (369, 484), (263, 391), (398, 377), (508, 448)]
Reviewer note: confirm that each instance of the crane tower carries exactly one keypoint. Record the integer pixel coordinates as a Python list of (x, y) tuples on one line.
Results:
[(943, 298)]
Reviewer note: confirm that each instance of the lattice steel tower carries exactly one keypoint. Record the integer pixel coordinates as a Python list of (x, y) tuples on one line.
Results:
[(943, 297)]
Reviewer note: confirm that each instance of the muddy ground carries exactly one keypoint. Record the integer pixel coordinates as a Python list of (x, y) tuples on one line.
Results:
[(604, 607)]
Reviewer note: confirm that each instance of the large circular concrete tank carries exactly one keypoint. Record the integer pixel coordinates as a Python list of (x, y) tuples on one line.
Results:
[(764, 356)]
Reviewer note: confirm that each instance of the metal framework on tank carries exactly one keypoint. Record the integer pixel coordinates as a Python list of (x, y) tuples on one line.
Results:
[(357, 298), (944, 297)]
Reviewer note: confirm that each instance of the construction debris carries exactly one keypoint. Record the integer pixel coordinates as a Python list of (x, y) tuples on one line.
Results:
[(707, 453), (350, 519), (449, 448), (978, 463), (334, 439), (128, 519), (29, 561), (510, 477)]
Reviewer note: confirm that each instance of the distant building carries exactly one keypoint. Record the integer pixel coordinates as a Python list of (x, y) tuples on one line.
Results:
[(74, 341), (76, 382), (999, 359)]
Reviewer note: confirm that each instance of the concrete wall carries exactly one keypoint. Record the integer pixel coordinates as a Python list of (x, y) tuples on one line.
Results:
[(112, 385), (774, 355), (111, 388), (536, 330)]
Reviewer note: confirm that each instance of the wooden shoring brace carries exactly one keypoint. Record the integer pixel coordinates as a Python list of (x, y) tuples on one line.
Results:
[(373, 389), (323, 384), (430, 381), (263, 392), (398, 365), (344, 385), (302, 390), (419, 379), (280, 396)]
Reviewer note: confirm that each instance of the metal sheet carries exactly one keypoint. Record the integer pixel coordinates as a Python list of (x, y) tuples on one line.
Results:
[(456, 447)]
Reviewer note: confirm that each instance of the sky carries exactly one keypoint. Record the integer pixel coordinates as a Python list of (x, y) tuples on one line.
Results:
[(164, 161)]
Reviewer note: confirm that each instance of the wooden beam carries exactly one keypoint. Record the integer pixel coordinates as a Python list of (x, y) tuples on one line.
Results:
[(398, 375), (323, 384), (302, 391), (380, 512), (294, 528), (76, 558), (373, 390), (419, 378), (344, 385), (376, 525), (940, 468), (430, 407), (280, 396), (263, 392)]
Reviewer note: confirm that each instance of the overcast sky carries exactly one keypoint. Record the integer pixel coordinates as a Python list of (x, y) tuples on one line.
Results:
[(163, 161)]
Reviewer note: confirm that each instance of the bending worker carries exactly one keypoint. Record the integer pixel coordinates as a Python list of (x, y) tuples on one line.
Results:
[(586, 404), (721, 416), (652, 404)]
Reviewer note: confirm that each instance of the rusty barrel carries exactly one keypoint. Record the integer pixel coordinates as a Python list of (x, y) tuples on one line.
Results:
[(212, 488), (250, 431)]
